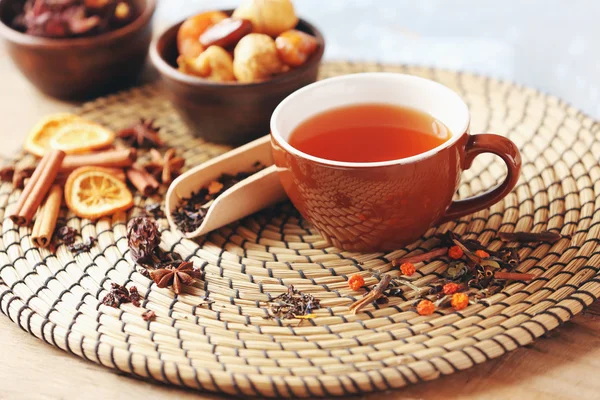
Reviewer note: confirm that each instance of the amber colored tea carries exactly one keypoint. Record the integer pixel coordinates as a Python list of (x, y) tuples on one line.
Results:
[(369, 133)]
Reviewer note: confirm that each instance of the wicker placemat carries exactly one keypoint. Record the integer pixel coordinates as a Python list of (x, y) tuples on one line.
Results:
[(229, 346)]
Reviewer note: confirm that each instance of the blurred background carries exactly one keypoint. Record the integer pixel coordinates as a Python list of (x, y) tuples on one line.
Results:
[(550, 45)]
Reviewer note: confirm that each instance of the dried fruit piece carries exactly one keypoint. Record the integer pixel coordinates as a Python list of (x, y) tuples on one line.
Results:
[(226, 33), (455, 252), (93, 192), (188, 35), (270, 17), (450, 288), (425, 307), (356, 282), (81, 137), (460, 300), (482, 254), (255, 58), (408, 268), (295, 47), (214, 64), (38, 140)]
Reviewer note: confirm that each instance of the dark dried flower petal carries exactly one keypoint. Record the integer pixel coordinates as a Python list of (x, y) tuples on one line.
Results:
[(149, 315), (66, 234), (119, 294), (82, 247)]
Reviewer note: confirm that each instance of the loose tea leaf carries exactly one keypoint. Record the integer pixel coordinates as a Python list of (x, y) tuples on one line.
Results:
[(190, 211), (293, 304), (155, 210)]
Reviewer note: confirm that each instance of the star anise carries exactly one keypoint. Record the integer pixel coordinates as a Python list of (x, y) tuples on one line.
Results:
[(143, 134), (184, 274), (165, 167)]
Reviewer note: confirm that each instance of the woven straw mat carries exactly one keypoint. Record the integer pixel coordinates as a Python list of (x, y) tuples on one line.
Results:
[(230, 346)]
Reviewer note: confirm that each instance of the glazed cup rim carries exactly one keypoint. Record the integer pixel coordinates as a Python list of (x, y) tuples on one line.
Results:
[(173, 73), (289, 101), (24, 39)]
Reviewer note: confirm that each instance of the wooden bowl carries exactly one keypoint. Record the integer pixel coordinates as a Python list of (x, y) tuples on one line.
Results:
[(231, 113), (80, 68)]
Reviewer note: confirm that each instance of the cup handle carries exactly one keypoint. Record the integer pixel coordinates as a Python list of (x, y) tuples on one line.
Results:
[(487, 143)]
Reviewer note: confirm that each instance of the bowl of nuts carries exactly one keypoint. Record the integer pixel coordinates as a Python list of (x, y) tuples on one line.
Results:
[(77, 49), (226, 71)]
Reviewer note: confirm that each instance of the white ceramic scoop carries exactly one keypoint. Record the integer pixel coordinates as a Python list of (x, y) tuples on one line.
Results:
[(248, 196)]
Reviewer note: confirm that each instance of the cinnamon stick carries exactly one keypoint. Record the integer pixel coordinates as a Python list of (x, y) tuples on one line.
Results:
[(20, 175), (45, 222), (527, 237), (513, 276), (118, 158), (373, 295), (142, 180), (421, 257), (38, 186)]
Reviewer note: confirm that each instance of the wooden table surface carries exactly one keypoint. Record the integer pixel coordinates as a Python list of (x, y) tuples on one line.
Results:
[(565, 365)]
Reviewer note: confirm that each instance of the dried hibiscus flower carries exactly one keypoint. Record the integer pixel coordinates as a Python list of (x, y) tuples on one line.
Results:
[(143, 238), (73, 18)]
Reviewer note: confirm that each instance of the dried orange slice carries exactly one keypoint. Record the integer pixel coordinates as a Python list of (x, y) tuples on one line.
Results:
[(81, 136), (94, 192), (38, 140)]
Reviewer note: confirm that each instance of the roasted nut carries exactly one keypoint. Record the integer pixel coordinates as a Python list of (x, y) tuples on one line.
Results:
[(188, 36), (226, 33), (271, 17), (255, 58), (214, 64), (294, 47)]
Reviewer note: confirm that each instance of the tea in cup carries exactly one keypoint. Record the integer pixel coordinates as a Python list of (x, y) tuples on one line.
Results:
[(373, 160)]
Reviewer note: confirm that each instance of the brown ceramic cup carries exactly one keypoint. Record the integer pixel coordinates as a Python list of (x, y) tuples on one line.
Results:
[(382, 206)]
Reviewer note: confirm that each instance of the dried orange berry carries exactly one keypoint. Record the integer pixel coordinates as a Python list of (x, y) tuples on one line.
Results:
[(408, 268), (356, 282), (482, 254), (460, 300), (425, 307), (455, 252), (451, 288)]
